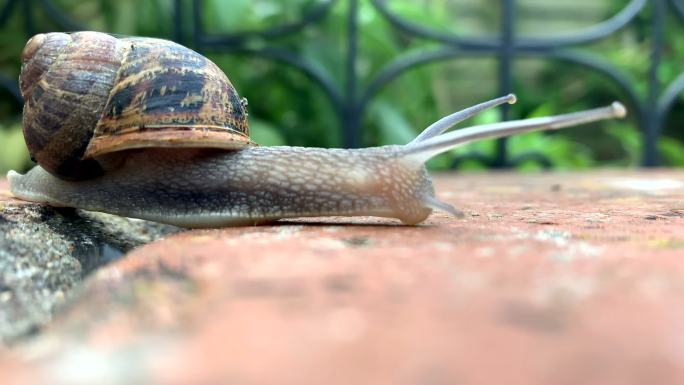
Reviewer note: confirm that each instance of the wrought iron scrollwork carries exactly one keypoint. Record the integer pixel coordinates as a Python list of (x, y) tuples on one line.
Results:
[(351, 99)]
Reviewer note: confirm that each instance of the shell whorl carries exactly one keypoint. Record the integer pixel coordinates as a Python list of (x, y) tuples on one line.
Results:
[(65, 82), (87, 94)]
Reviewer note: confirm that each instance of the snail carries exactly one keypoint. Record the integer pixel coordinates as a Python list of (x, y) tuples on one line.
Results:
[(147, 128)]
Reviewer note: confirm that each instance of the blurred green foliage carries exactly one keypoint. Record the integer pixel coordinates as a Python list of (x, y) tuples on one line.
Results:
[(286, 107)]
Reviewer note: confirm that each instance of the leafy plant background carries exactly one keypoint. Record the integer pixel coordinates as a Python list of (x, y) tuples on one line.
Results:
[(288, 108)]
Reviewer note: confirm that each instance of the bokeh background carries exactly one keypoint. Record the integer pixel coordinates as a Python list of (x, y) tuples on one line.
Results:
[(350, 73)]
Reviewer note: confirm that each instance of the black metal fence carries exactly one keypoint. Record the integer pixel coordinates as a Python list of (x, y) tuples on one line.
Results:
[(351, 99)]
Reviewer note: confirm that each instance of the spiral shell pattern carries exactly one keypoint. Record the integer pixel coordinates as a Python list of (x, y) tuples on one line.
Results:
[(88, 94)]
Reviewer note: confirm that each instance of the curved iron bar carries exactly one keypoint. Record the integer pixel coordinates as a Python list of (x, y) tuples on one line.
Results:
[(7, 11), (350, 101), (506, 48), (60, 18), (238, 38), (678, 6), (650, 121), (506, 56), (431, 34), (668, 98), (319, 76), (589, 34), (415, 59), (406, 62), (236, 43), (594, 62)]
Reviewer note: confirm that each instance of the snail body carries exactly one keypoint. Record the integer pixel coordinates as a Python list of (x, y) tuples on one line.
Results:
[(196, 188), (162, 135)]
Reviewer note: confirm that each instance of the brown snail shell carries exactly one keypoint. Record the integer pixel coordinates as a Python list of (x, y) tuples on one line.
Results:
[(88, 94)]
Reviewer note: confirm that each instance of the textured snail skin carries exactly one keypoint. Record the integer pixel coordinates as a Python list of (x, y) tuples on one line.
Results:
[(200, 188)]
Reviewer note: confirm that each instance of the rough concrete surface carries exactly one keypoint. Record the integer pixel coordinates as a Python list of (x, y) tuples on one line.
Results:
[(549, 279), (44, 253)]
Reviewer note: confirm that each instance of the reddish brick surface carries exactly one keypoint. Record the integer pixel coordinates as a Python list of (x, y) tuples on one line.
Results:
[(549, 279)]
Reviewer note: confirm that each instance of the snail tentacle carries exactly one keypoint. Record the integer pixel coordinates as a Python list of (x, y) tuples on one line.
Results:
[(449, 121), (421, 152)]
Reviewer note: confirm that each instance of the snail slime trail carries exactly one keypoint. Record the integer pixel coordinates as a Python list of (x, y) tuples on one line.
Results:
[(168, 141)]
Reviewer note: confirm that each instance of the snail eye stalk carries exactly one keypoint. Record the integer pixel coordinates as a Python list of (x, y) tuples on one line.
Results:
[(449, 121), (420, 152)]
